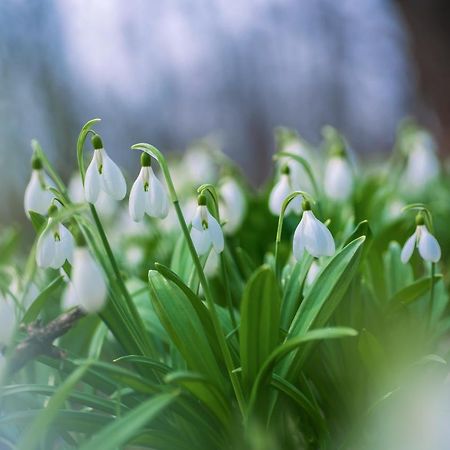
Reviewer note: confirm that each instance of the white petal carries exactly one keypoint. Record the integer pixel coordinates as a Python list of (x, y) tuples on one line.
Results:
[(408, 248), (279, 193), (338, 179), (136, 203), (298, 245), (88, 281), (429, 248), (201, 213), (63, 248), (157, 204), (36, 197), (45, 248), (92, 181), (70, 298), (201, 240), (112, 177), (233, 205), (7, 322), (313, 272), (318, 239), (215, 233)]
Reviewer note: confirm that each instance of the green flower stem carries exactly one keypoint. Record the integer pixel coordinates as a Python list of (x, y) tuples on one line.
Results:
[(155, 153), (285, 204), (209, 188)]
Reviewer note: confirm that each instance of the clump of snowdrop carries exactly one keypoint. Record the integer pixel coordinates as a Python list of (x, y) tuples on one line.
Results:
[(103, 174), (338, 177), (422, 165), (55, 244), (426, 243), (37, 196), (312, 235), (233, 204), (86, 287), (280, 191), (206, 231), (147, 195)]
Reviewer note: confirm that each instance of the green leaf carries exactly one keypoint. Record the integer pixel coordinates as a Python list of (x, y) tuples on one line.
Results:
[(37, 305), (323, 298), (411, 293), (43, 420), (260, 316), (183, 325), (123, 429), (371, 351)]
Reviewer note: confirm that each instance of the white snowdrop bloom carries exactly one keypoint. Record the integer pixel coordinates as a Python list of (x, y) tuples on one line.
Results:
[(55, 244), (299, 178), (37, 198), (206, 231), (103, 174), (338, 178), (232, 204), (87, 287), (199, 166), (7, 321), (148, 195), (313, 272), (279, 193), (422, 166), (312, 235), (427, 244)]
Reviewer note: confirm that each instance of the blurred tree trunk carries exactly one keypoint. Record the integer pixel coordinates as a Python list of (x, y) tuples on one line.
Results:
[(429, 26)]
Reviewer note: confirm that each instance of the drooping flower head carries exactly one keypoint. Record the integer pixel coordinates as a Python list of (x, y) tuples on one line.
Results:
[(147, 195), (280, 191), (338, 177), (232, 204), (426, 243), (103, 174), (87, 287), (206, 231), (37, 196), (312, 235), (55, 244)]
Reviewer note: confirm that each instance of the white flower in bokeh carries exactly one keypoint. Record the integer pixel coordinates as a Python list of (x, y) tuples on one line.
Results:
[(206, 231), (422, 165), (312, 235), (37, 196), (280, 191), (103, 174), (338, 178), (313, 272), (426, 243), (54, 246), (299, 178), (232, 204), (147, 195), (87, 287)]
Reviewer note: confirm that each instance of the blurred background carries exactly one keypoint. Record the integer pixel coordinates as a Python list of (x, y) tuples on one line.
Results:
[(173, 71)]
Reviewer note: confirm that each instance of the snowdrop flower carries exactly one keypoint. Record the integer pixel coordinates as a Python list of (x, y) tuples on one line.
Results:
[(87, 287), (7, 321), (232, 205), (427, 244), (55, 244), (147, 195), (338, 178), (299, 178), (312, 235), (206, 231), (422, 166), (279, 193), (37, 197), (103, 174)]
